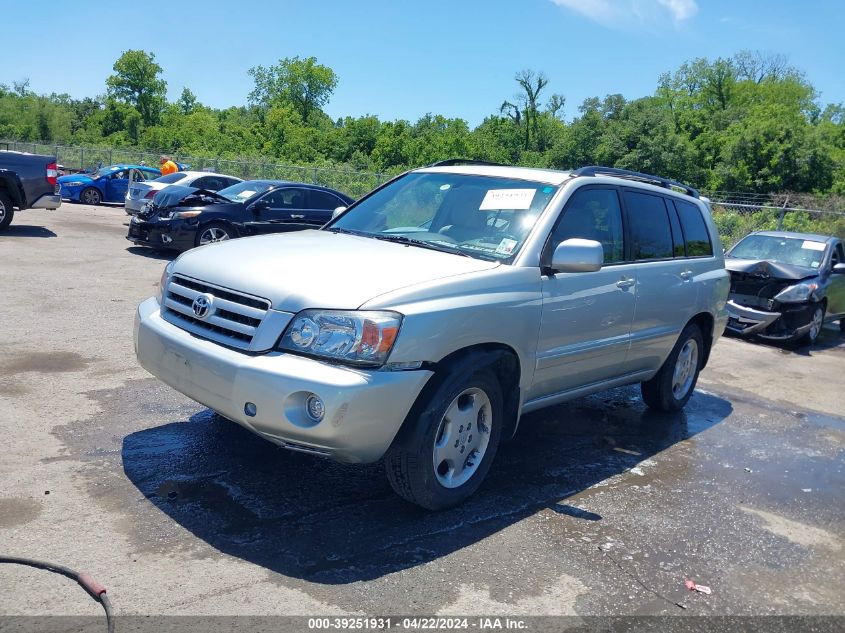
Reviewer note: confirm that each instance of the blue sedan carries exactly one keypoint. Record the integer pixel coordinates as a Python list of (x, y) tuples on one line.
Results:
[(107, 184)]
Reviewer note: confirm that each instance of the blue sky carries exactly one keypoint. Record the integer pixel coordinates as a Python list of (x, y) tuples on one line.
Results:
[(404, 58)]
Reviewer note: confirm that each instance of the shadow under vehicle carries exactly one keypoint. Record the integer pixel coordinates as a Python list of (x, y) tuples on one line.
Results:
[(333, 524)]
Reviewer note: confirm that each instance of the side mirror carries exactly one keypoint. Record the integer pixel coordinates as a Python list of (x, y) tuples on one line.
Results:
[(259, 205), (839, 269), (337, 212), (576, 255)]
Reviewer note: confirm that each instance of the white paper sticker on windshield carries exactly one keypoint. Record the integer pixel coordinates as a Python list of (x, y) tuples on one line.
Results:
[(507, 199), (813, 246), (506, 246)]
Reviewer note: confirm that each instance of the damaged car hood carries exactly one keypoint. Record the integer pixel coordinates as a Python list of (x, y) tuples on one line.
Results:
[(176, 195), (769, 269)]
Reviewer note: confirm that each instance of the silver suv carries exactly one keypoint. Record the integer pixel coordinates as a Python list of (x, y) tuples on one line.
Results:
[(421, 322)]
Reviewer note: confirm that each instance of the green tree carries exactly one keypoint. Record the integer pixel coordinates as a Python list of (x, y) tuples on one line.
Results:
[(187, 101), (303, 83), (136, 82)]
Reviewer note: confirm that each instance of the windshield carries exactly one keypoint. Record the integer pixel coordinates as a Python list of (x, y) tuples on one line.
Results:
[(169, 179), (244, 190), (785, 250), (481, 216)]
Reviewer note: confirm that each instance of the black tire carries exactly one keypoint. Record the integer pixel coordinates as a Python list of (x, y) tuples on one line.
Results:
[(659, 392), (90, 195), (410, 459), (214, 228), (6, 210), (812, 336)]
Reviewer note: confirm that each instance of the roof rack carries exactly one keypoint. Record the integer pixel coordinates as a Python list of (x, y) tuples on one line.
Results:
[(463, 161), (596, 170)]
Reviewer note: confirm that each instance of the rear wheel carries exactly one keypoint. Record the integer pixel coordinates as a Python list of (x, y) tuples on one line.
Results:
[(90, 195), (443, 454), (214, 232), (673, 385), (816, 324), (6, 210)]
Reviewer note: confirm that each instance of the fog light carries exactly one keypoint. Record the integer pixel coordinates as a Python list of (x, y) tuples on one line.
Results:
[(250, 409), (314, 407)]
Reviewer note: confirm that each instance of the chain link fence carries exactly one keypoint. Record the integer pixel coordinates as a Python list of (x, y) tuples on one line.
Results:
[(736, 213), (76, 159)]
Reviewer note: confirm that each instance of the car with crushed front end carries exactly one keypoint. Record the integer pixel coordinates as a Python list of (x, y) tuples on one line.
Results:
[(785, 285), (142, 193), (181, 217), (421, 322)]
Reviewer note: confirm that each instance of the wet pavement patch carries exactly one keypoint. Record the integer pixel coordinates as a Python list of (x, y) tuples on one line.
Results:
[(15, 512), (626, 500), (44, 363)]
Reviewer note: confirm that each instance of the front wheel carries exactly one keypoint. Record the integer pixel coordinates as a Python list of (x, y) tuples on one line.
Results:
[(674, 383), (91, 196), (214, 232), (816, 324), (444, 452)]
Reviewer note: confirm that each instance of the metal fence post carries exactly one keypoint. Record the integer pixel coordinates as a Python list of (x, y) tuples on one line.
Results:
[(782, 214), (81, 158), (111, 162), (314, 179)]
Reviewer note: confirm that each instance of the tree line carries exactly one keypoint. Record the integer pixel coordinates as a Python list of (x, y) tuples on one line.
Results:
[(751, 122)]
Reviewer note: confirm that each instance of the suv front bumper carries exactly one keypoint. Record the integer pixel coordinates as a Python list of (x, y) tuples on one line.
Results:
[(364, 409)]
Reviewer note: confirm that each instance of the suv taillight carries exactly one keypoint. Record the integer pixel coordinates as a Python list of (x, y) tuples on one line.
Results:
[(52, 173), (151, 193)]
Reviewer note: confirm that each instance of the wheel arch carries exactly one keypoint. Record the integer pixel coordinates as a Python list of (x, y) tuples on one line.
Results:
[(501, 359), (706, 323)]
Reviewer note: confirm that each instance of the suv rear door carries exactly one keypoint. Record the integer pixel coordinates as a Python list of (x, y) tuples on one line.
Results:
[(666, 288), (586, 317)]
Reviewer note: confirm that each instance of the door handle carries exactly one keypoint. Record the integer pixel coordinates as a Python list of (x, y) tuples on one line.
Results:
[(625, 282), (296, 216), (686, 275)]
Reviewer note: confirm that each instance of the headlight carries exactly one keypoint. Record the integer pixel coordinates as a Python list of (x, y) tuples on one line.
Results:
[(162, 284), (352, 336), (184, 215), (797, 293)]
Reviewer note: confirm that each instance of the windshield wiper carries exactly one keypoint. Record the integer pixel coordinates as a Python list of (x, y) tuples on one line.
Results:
[(404, 239)]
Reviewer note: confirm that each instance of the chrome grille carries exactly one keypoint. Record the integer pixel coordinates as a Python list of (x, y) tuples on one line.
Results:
[(233, 319)]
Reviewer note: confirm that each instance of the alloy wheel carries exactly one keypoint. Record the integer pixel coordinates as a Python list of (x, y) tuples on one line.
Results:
[(213, 234)]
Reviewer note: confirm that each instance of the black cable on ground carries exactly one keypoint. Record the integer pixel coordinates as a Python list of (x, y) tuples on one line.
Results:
[(94, 589)]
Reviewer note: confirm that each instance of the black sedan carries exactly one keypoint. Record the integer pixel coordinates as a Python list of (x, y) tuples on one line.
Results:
[(180, 217)]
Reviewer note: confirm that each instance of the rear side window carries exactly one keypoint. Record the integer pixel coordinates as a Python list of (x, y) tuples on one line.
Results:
[(324, 200), (695, 230), (593, 214), (650, 232)]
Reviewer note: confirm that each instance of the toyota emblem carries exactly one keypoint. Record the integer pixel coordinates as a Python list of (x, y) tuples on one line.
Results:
[(202, 306)]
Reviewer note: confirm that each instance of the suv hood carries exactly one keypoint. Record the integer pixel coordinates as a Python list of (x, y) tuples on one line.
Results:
[(769, 269), (320, 269)]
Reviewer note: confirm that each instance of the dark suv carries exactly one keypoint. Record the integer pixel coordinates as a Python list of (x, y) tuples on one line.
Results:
[(180, 217), (27, 181)]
